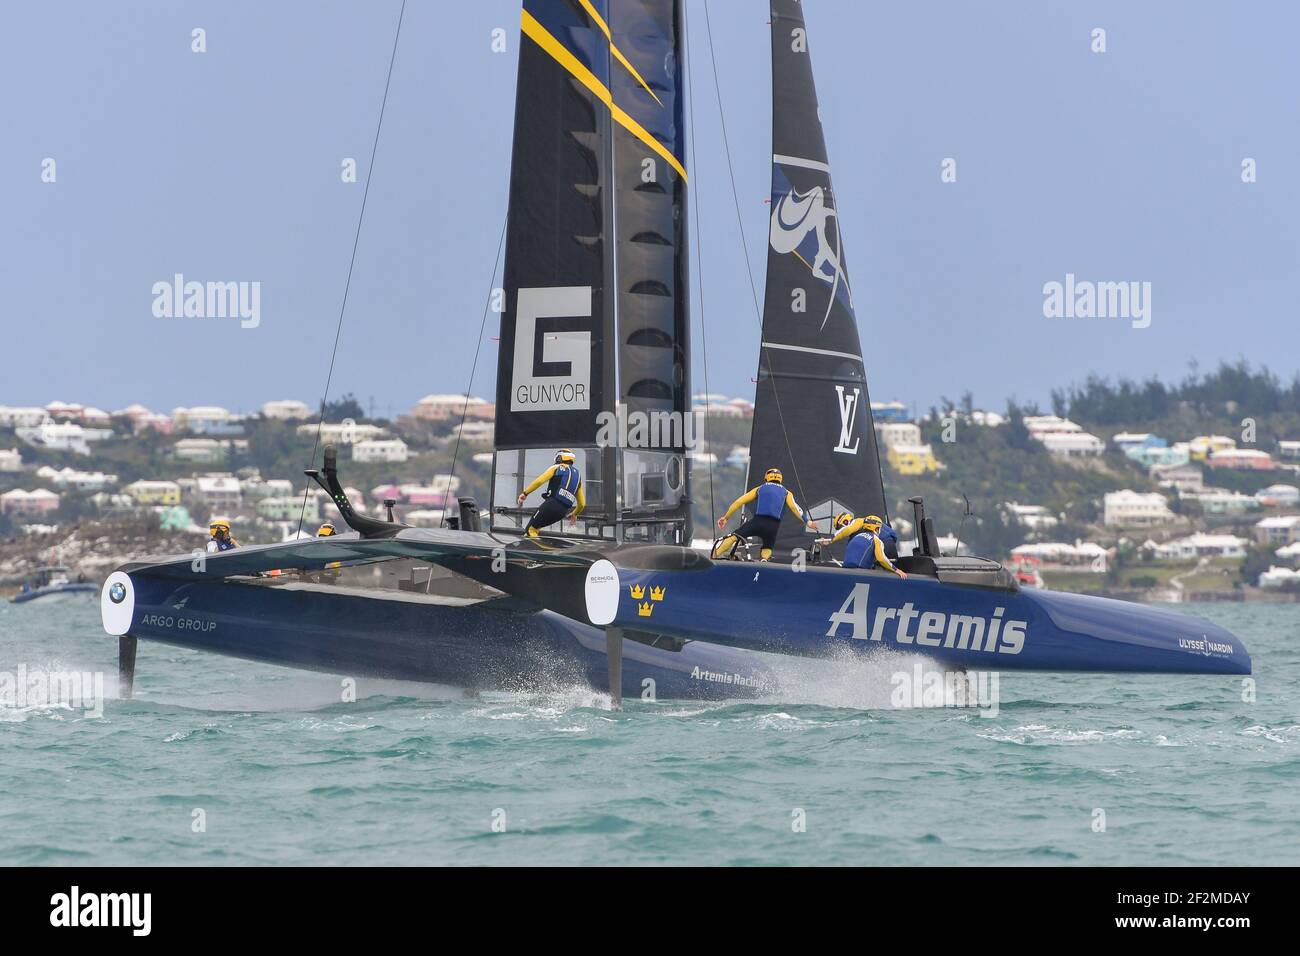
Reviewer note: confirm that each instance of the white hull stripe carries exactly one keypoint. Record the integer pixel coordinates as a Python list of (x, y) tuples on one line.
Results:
[(804, 348), (799, 161)]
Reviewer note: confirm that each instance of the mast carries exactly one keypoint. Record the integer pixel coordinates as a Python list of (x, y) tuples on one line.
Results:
[(594, 325), (812, 411)]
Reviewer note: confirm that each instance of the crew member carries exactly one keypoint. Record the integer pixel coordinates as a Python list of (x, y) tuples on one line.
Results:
[(326, 530), (219, 536), (770, 501), (564, 495), (866, 545)]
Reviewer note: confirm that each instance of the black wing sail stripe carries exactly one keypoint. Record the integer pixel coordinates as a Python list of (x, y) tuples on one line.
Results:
[(812, 414)]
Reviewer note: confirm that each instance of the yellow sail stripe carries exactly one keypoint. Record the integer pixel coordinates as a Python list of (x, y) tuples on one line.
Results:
[(604, 28), (539, 35)]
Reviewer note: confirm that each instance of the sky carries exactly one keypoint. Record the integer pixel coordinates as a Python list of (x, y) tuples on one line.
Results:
[(1117, 166)]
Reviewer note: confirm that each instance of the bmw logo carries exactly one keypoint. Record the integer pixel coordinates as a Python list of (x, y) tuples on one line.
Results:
[(117, 593)]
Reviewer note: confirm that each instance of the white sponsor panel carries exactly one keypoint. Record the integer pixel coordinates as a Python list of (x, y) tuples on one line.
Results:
[(570, 388), (601, 593)]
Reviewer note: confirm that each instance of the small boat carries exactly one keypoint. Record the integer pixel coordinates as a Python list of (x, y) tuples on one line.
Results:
[(51, 584)]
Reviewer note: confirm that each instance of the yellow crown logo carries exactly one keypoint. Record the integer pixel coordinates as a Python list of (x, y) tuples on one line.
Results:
[(645, 609), (637, 591), (657, 594)]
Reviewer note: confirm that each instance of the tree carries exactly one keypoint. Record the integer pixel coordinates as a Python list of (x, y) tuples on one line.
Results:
[(346, 406)]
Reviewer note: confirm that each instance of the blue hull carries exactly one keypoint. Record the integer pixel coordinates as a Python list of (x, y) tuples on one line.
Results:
[(775, 608), (372, 635)]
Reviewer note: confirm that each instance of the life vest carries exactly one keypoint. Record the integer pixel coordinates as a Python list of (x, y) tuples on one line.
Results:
[(564, 484), (771, 500), (861, 552), (889, 538)]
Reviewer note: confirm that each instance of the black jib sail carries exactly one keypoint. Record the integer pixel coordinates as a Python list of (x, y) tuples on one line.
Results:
[(594, 325), (812, 415)]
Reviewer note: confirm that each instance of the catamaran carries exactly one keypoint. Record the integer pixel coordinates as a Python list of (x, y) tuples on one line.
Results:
[(595, 328)]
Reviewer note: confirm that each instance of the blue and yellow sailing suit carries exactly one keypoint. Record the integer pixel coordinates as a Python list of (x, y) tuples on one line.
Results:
[(770, 501), (866, 547), (564, 494)]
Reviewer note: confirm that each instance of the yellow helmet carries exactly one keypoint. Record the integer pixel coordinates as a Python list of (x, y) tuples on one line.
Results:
[(774, 474), (872, 522), (218, 524), (843, 520), (325, 530), (565, 456)]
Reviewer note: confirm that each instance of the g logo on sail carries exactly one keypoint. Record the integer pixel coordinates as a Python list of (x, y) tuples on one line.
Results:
[(552, 360)]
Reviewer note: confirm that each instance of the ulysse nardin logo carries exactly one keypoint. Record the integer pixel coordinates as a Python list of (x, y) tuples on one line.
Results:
[(848, 404), (552, 360)]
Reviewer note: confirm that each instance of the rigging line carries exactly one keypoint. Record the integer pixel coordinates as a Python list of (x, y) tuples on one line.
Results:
[(356, 241), (699, 261), (464, 412), (753, 289)]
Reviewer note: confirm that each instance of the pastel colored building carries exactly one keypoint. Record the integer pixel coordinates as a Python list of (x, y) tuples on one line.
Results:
[(28, 503), (1132, 509)]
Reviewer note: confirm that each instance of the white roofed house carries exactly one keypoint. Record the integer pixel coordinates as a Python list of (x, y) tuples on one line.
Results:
[(1185, 477), (712, 404), (475, 432), (289, 508), (1276, 577), (218, 492), (1062, 437), (1221, 501), (1036, 517), (11, 459), (266, 487), (201, 450), (380, 449), (28, 503), (1279, 496), (1082, 554), (28, 416), (1039, 425), (1278, 530), (1128, 508), (891, 434), (1200, 545), (1072, 444), (440, 408), (1247, 459), (56, 436), (206, 420), (1127, 440), (154, 492), (286, 409), (78, 480), (1288, 449), (342, 433)]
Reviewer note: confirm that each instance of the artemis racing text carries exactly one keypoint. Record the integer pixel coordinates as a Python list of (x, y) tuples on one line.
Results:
[(931, 629)]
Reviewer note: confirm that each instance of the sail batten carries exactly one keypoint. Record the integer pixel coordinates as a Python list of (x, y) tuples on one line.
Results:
[(812, 414)]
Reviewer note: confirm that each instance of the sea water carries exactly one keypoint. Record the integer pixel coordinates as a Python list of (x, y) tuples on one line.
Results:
[(219, 761)]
